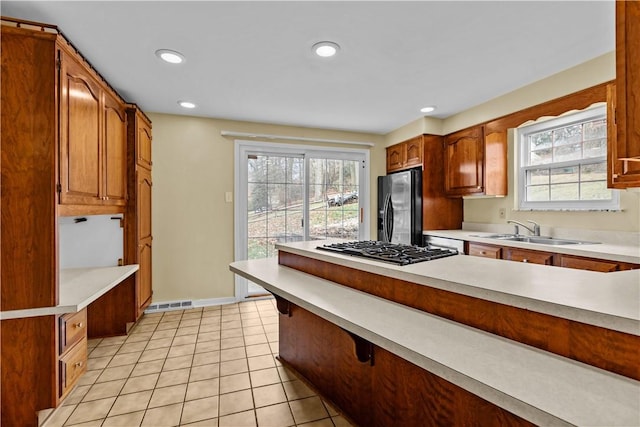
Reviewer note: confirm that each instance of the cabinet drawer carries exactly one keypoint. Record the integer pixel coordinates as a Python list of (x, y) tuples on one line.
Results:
[(534, 257), (591, 264), (73, 328), (72, 366), (485, 251)]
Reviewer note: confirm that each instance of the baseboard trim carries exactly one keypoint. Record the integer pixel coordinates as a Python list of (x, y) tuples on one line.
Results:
[(158, 307)]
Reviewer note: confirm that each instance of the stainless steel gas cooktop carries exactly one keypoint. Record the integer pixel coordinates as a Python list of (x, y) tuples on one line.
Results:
[(388, 252)]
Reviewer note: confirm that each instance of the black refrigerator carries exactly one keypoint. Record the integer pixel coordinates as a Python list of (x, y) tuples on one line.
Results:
[(400, 207)]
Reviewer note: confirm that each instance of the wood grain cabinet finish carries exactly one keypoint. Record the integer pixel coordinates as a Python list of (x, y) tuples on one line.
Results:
[(439, 212), (524, 255), (73, 328), (138, 231), (93, 140), (624, 136), (464, 162), (381, 390), (405, 155), (485, 251), (72, 365)]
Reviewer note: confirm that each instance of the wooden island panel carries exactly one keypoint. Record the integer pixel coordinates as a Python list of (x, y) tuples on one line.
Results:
[(379, 390), (600, 347)]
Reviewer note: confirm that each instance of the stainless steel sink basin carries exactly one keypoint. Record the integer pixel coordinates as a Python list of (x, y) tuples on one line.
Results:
[(542, 240)]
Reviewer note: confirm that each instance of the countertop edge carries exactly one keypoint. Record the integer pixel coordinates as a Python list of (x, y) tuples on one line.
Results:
[(71, 299), (515, 404)]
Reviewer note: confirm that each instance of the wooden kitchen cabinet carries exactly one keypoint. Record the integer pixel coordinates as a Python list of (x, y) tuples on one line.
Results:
[(138, 232), (63, 145), (476, 161), (486, 251), (439, 212), (405, 155), (464, 162), (525, 255), (93, 140), (624, 100), (592, 264)]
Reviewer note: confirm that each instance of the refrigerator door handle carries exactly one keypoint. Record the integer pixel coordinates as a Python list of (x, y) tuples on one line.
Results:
[(388, 218)]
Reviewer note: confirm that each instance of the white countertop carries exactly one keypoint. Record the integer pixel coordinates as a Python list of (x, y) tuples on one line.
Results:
[(609, 300), (79, 287), (608, 251), (541, 387)]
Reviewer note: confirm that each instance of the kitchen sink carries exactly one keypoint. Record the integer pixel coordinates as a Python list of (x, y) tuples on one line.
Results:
[(542, 240)]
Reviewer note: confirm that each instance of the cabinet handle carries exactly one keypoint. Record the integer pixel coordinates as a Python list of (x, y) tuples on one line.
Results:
[(525, 260), (78, 364), (483, 253), (79, 325)]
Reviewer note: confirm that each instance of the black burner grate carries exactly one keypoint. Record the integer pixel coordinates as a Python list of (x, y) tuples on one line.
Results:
[(388, 252)]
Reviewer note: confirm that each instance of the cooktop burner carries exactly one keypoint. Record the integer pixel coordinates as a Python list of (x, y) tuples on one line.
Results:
[(388, 252)]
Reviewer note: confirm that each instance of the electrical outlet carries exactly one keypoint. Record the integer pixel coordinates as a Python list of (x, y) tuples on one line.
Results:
[(228, 197), (502, 213)]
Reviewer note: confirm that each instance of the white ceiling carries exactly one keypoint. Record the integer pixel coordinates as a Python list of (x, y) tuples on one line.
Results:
[(252, 60)]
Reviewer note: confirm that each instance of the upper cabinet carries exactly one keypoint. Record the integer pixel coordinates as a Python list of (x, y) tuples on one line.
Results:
[(624, 100), (93, 134), (464, 161), (405, 155), (439, 212)]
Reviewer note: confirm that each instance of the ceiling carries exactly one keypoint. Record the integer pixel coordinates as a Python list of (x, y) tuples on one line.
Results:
[(252, 61)]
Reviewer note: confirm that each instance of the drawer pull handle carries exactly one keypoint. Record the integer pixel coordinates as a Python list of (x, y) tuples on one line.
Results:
[(78, 365), (79, 325), (483, 253), (525, 260)]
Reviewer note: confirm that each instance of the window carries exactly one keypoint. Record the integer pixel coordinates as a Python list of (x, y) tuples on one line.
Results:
[(563, 163), (288, 193)]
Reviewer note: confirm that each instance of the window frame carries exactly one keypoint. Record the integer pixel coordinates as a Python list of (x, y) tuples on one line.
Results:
[(522, 166)]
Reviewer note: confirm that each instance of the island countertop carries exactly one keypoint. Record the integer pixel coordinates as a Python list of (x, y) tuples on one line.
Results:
[(79, 287), (608, 300)]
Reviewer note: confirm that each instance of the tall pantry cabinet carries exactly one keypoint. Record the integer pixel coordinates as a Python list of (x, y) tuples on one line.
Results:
[(138, 231), (66, 150)]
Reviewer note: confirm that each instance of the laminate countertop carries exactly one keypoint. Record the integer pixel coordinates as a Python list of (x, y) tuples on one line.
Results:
[(606, 250), (79, 287), (538, 386), (609, 300)]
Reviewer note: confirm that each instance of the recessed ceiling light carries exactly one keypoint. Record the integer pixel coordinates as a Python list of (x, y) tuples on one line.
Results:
[(170, 56), (325, 49), (428, 109), (186, 104)]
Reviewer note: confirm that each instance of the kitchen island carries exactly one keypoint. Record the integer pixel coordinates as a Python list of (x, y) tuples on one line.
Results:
[(444, 368)]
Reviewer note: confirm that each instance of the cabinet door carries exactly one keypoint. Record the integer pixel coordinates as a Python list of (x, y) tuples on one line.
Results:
[(144, 283), (413, 150), (80, 110), (464, 157), (395, 157), (115, 151), (144, 144), (523, 255), (624, 140)]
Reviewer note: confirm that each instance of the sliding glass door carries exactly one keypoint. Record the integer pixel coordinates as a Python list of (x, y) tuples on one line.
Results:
[(287, 193)]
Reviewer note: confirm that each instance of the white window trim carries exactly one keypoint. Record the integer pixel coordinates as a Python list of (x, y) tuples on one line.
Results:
[(522, 151), (243, 147)]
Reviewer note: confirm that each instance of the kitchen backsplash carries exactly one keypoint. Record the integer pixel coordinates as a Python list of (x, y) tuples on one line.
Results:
[(90, 241)]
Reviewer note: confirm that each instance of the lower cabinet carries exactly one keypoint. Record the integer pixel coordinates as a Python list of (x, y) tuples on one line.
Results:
[(73, 350), (547, 258), (372, 386)]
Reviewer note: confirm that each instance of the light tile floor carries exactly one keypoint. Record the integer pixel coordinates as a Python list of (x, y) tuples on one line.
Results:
[(212, 366)]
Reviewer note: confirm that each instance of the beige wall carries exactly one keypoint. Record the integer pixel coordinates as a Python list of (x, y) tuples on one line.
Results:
[(486, 210), (193, 168)]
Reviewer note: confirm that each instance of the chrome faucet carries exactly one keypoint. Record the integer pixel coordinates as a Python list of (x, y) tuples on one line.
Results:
[(535, 231)]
